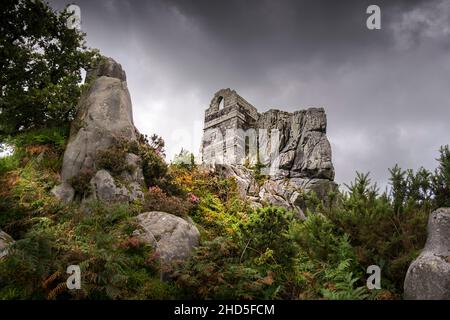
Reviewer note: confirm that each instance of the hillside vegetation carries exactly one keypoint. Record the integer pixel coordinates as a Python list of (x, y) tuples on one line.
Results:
[(244, 253)]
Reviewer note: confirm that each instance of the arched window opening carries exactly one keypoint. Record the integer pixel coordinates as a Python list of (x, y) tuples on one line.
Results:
[(220, 103)]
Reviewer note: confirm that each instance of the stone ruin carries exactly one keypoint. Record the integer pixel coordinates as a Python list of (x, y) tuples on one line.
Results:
[(292, 149)]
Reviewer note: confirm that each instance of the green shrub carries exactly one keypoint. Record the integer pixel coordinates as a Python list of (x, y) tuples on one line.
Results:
[(81, 183), (54, 136), (441, 179), (114, 158), (215, 272), (326, 266), (154, 167), (382, 230), (8, 163), (267, 229)]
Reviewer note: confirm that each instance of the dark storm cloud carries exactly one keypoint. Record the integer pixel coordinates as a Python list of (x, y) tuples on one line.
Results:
[(385, 91)]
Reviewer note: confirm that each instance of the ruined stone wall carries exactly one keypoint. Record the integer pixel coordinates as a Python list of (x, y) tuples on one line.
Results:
[(237, 115)]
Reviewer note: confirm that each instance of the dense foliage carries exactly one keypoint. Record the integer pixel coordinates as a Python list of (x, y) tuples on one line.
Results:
[(40, 66), (244, 253), (50, 236), (267, 254)]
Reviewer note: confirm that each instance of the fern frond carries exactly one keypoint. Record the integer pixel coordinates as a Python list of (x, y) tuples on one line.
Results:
[(60, 288), (50, 279)]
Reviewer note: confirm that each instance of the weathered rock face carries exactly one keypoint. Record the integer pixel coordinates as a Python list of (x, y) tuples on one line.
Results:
[(284, 193), (428, 277), (104, 187), (109, 68), (173, 237), (104, 116), (281, 194), (292, 148), (296, 143), (304, 149), (244, 177), (5, 242), (104, 113), (287, 193)]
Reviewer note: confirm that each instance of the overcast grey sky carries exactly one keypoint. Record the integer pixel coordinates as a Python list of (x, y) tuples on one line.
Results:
[(386, 92)]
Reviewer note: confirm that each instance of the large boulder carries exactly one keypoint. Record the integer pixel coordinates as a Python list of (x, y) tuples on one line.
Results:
[(172, 237), (5, 243), (104, 116), (428, 277)]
